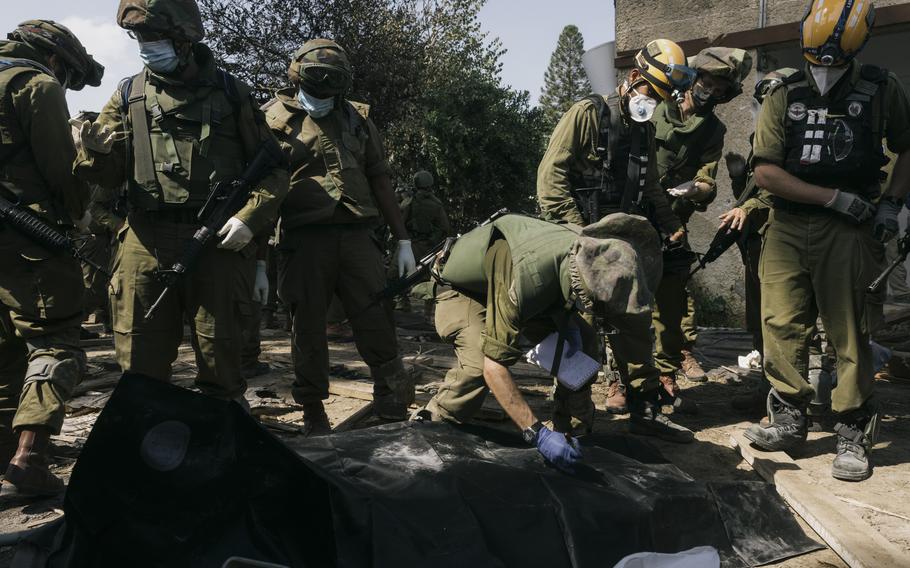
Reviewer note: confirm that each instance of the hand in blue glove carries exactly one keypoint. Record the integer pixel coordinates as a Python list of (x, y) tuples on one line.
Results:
[(558, 449), (573, 337)]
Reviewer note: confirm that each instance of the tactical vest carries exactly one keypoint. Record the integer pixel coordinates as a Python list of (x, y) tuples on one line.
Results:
[(420, 214), (184, 140), (334, 166), (540, 262), (836, 143)]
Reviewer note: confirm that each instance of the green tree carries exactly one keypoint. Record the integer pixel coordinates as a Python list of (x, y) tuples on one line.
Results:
[(565, 81), (430, 75)]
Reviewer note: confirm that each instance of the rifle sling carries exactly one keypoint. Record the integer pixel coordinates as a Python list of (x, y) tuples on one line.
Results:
[(142, 142)]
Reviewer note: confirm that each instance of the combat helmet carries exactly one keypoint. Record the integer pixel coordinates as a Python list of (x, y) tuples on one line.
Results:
[(423, 179), (175, 19), (57, 39), (728, 63), (662, 63), (833, 32), (322, 68)]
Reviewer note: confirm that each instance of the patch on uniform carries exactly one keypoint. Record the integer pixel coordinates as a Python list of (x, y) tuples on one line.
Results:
[(797, 111), (855, 109)]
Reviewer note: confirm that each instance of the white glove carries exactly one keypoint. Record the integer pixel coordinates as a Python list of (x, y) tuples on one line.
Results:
[(83, 223), (687, 189), (406, 261), (236, 235), (261, 285), (95, 137)]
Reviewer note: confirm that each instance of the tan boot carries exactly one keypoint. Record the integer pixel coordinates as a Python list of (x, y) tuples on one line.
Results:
[(616, 398), (27, 474), (692, 369), (669, 395)]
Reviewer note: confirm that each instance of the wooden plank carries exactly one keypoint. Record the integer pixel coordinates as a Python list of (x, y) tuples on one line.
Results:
[(845, 532), (354, 418)]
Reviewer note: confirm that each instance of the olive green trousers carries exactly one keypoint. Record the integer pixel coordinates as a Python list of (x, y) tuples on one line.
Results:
[(814, 263), (41, 361)]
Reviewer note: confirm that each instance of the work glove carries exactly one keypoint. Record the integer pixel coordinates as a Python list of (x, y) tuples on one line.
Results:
[(83, 223), (406, 261), (560, 450), (886, 226), (261, 285), (95, 137), (687, 189), (852, 206), (236, 235)]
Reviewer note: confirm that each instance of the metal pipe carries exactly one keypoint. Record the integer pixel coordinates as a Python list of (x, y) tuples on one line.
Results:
[(762, 13)]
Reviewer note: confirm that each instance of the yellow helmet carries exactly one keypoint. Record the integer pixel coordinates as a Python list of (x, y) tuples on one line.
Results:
[(662, 63), (834, 31)]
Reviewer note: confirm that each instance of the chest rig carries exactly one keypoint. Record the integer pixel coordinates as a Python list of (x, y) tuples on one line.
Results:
[(836, 143), (184, 139)]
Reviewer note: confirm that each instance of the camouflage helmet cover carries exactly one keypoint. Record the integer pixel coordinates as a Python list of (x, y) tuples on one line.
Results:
[(322, 68), (423, 179), (49, 36), (176, 19), (729, 63)]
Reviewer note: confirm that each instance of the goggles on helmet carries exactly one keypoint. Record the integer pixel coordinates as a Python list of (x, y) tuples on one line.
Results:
[(679, 76), (324, 79)]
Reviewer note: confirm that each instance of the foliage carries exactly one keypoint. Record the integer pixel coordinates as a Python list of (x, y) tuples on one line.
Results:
[(430, 75), (565, 80)]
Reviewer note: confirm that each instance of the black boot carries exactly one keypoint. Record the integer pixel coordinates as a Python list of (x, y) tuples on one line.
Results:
[(855, 437), (787, 426), (645, 419), (315, 420)]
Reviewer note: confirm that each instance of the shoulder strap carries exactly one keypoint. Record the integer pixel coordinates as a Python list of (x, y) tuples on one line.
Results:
[(603, 125), (142, 143), (15, 62)]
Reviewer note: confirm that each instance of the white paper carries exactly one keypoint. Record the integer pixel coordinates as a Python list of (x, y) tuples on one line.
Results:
[(574, 371), (698, 557)]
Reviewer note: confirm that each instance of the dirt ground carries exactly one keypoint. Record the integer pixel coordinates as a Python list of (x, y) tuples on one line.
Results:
[(883, 501)]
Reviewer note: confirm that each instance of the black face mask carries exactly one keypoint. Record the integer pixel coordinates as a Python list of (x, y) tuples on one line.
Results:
[(703, 100)]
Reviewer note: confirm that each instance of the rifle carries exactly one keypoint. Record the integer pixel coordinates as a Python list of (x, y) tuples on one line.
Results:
[(723, 240), (41, 233), (226, 198), (903, 249), (404, 283)]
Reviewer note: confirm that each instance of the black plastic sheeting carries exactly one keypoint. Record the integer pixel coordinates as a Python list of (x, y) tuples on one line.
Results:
[(173, 478)]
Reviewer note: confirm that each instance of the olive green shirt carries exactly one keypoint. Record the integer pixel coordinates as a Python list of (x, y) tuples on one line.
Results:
[(111, 170), (425, 218), (770, 132), (36, 142), (687, 150), (572, 150)]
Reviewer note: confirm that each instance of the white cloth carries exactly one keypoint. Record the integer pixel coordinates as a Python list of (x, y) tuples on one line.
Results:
[(236, 235), (261, 284), (406, 261), (698, 557)]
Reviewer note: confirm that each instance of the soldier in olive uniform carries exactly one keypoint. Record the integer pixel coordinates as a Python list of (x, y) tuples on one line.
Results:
[(426, 221), (339, 186), (689, 139), (581, 178), (188, 125), (520, 278), (818, 151), (40, 292)]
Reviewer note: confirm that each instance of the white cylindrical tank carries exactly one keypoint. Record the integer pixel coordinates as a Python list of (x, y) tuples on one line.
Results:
[(598, 62)]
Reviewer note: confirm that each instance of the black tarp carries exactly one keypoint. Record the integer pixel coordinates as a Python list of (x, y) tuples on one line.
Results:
[(171, 478)]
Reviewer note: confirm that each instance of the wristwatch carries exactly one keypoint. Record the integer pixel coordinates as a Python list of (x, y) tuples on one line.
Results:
[(530, 433)]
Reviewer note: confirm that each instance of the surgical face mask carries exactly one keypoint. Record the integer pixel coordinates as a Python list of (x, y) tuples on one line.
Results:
[(826, 77), (641, 107), (159, 56), (317, 108)]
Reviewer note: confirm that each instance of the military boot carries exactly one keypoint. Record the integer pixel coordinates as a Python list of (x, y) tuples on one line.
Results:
[(27, 473), (616, 398), (787, 426), (669, 395), (855, 437), (691, 369), (393, 390), (315, 420), (646, 420)]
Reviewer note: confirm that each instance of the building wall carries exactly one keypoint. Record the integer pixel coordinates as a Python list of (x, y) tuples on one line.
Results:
[(719, 288)]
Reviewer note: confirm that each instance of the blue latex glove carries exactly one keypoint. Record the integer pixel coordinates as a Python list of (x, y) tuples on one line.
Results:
[(557, 449), (573, 337)]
